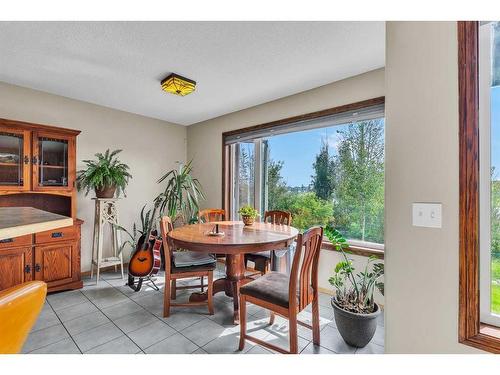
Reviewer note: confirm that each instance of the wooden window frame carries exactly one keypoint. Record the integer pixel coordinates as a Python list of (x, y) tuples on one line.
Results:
[(470, 329), (226, 159)]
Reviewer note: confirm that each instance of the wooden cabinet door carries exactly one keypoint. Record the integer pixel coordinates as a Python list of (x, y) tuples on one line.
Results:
[(54, 158), (15, 266), (15, 159), (54, 263)]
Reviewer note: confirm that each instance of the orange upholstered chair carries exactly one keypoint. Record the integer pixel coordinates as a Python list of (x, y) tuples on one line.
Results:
[(19, 309)]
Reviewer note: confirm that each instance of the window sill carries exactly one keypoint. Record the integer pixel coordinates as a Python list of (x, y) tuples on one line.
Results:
[(487, 339), (490, 330), (356, 250)]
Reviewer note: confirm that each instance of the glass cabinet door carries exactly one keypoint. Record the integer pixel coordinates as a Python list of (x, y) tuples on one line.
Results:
[(14, 159), (50, 162)]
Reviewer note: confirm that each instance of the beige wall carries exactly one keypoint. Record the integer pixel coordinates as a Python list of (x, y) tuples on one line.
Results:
[(205, 138), (150, 146), (421, 166)]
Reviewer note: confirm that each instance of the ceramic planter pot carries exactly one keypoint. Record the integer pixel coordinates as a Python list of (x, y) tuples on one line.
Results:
[(248, 220), (105, 192), (356, 329)]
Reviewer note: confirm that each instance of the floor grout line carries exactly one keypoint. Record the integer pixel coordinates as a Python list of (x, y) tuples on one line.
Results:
[(158, 318), (70, 335), (113, 321), (221, 301)]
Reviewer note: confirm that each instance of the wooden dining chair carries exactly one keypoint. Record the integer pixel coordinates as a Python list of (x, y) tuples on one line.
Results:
[(173, 272), (211, 214), (287, 295), (262, 260)]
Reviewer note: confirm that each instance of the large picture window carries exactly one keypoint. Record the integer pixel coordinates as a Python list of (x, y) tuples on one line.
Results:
[(328, 170)]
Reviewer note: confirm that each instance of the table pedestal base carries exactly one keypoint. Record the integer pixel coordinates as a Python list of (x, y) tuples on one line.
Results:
[(235, 278)]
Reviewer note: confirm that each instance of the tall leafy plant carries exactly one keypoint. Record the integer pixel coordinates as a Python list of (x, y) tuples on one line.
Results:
[(354, 291), (182, 194), (147, 224), (104, 172)]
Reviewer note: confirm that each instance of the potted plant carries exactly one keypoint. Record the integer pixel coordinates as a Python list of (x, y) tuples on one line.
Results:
[(104, 175), (248, 213), (354, 308), (182, 195)]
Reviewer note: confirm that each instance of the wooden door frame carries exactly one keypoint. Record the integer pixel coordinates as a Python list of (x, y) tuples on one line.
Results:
[(470, 329)]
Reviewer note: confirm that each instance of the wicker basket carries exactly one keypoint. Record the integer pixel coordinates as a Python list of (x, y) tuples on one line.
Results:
[(248, 220)]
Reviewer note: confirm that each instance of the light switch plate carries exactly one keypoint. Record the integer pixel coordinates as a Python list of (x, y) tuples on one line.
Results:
[(427, 215)]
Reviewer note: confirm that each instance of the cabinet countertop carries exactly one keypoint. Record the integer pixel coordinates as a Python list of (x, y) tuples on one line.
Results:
[(18, 221)]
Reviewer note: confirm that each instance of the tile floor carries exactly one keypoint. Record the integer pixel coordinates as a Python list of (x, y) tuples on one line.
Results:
[(111, 318)]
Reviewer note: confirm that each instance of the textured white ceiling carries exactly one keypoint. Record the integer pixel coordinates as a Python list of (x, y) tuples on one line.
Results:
[(236, 64)]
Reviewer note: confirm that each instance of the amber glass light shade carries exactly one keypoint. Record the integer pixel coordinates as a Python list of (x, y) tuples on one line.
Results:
[(178, 85)]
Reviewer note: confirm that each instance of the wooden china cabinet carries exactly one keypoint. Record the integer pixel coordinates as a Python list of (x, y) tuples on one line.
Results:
[(38, 169)]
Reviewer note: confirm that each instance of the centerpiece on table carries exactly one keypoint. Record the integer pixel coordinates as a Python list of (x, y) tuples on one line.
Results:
[(354, 307), (248, 214)]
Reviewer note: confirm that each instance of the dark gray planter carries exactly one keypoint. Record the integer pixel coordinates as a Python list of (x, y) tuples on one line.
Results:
[(356, 329)]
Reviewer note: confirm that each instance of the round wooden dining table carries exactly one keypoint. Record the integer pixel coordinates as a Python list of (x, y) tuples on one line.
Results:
[(237, 241)]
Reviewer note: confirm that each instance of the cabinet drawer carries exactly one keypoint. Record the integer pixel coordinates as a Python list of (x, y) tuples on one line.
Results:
[(16, 241), (56, 235)]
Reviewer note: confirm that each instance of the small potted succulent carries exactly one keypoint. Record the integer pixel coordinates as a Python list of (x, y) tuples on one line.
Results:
[(354, 307), (104, 175), (248, 213)]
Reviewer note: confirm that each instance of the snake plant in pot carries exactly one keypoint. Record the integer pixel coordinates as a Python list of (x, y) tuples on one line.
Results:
[(354, 307)]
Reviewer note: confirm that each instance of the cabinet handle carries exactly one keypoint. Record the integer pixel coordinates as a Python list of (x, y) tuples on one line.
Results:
[(34, 161), (7, 240), (26, 159), (27, 268), (37, 268), (56, 234)]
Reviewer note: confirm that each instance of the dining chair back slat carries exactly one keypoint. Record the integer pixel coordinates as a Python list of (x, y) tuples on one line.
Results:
[(302, 282), (304, 273), (212, 214), (165, 227), (278, 217), (264, 262)]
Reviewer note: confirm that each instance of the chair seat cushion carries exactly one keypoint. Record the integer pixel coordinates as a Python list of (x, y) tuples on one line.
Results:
[(272, 287), (200, 268), (262, 254), (191, 258)]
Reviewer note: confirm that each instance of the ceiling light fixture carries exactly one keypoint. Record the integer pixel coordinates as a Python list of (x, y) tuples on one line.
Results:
[(178, 85)]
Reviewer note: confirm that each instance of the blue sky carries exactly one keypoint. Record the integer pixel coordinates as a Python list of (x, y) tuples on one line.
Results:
[(298, 151)]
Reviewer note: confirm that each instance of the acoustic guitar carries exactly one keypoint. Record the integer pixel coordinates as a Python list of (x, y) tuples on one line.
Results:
[(146, 260)]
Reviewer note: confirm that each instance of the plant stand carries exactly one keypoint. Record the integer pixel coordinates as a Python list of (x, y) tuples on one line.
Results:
[(106, 212)]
